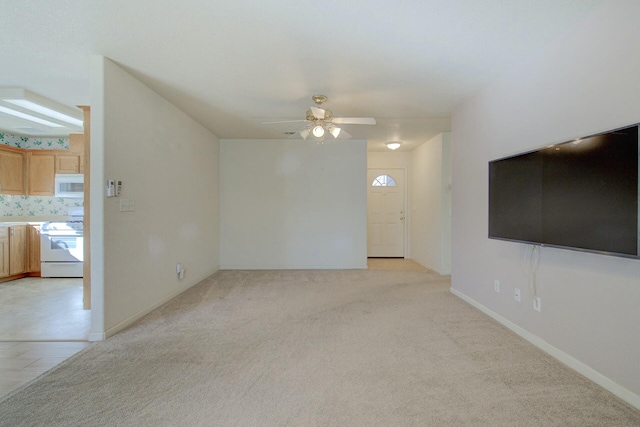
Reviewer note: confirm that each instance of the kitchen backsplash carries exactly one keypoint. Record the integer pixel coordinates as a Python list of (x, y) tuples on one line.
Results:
[(33, 143), (40, 206)]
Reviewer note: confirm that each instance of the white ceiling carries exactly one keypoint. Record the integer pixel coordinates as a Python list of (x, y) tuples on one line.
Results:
[(232, 64)]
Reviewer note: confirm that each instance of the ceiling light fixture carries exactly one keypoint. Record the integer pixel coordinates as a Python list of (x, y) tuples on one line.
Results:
[(45, 111), (21, 115), (318, 131), (26, 105), (394, 145)]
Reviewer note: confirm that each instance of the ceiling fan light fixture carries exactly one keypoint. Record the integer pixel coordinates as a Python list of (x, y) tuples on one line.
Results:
[(335, 131), (304, 133), (318, 131), (393, 145)]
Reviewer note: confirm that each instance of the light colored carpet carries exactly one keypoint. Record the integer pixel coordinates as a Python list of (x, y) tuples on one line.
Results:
[(315, 348)]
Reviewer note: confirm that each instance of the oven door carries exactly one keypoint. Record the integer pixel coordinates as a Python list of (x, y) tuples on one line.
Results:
[(57, 248)]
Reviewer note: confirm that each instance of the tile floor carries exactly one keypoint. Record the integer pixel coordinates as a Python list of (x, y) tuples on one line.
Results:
[(43, 309), (21, 362), (42, 324)]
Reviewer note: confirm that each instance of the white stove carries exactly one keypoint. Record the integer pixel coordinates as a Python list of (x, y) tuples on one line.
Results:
[(61, 247)]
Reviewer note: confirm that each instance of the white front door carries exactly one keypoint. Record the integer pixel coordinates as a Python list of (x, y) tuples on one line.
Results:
[(385, 213)]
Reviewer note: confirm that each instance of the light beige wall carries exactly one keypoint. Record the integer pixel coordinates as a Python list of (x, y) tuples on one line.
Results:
[(288, 204), (168, 164), (430, 204), (389, 160), (584, 83)]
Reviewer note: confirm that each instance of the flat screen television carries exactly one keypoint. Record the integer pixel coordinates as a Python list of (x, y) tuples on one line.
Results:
[(581, 194)]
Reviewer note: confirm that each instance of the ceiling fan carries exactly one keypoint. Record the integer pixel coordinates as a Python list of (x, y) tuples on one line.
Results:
[(320, 121)]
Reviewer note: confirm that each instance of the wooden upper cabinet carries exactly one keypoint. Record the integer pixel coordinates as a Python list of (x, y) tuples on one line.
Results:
[(76, 143), (12, 170), (68, 163), (73, 160), (32, 172), (41, 173)]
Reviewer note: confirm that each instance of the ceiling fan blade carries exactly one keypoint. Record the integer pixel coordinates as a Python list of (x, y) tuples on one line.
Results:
[(343, 135), (283, 121), (354, 120), (318, 113)]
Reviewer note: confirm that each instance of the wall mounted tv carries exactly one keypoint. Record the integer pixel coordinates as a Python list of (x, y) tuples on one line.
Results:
[(581, 194)]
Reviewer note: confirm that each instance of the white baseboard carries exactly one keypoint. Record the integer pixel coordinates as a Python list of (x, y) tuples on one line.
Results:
[(293, 267), (430, 267), (604, 382), (137, 316), (424, 264)]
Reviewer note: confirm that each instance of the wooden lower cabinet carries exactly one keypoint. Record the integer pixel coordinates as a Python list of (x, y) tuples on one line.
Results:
[(17, 249), (33, 237), (4, 252)]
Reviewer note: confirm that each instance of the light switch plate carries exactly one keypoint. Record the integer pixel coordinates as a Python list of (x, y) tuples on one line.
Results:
[(127, 205)]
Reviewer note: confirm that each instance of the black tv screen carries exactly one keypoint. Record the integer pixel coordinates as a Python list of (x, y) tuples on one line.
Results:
[(582, 194)]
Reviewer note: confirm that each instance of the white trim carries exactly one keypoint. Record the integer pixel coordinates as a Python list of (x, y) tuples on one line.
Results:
[(604, 382), (96, 211), (426, 265), (293, 267)]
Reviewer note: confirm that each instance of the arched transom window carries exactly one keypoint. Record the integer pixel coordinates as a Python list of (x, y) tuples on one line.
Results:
[(383, 181)]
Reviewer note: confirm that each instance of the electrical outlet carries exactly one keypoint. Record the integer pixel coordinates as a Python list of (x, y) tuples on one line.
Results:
[(496, 286), (537, 304), (517, 295), (180, 271)]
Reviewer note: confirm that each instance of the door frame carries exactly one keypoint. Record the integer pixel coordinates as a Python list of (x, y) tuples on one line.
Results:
[(407, 215), (86, 267)]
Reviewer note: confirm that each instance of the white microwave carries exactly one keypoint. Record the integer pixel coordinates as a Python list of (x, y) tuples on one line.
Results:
[(69, 185)]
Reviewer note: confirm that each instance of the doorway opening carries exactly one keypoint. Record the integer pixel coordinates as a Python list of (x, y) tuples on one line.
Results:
[(386, 213)]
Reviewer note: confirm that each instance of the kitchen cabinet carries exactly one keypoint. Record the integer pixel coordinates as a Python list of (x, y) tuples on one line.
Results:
[(76, 143), (33, 248), (4, 251), (69, 163), (12, 170), (32, 172), (73, 161), (17, 249), (41, 173)]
